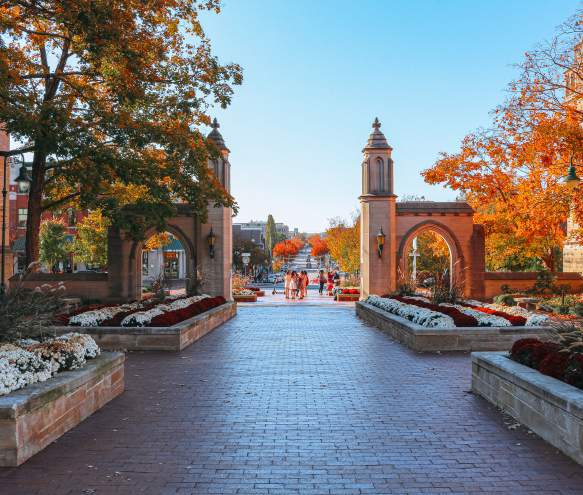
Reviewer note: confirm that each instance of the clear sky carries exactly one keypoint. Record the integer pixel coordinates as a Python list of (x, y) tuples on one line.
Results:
[(317, 72)]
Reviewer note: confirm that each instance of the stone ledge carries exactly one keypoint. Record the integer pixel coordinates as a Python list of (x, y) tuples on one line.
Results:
[(33, 417), (174, 338), (549, 407), (424, 339)]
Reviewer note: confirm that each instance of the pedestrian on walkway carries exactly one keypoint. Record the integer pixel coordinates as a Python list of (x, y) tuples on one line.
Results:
[(293, 285), (322, 281), (287, 283)]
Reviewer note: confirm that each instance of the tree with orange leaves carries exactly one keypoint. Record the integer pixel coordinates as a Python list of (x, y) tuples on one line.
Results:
[(285, 250), (511, 173), (109, 98), (343, 242), (319, 246)]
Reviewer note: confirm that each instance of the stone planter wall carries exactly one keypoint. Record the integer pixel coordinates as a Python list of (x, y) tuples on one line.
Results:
[(242, 298), (550, 408), (426, 339), (347, 297), (33, 417), (174, 338)]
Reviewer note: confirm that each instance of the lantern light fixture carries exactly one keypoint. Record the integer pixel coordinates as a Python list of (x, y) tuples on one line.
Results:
[(380, 242), (211, 239)]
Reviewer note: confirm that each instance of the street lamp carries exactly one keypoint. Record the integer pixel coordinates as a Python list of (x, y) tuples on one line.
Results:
[(380, 242), (6, 155), (23, 180), (571, 180)]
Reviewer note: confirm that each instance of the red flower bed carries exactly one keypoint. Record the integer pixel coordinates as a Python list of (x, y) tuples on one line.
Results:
[(460, 319), (547, 358), (516, 321), (254, 289), (178, 315)]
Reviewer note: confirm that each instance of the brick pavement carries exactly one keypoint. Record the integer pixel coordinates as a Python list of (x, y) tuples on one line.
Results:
[(296, 399)]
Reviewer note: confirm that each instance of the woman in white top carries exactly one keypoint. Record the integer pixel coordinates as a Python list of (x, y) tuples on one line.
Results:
[(286, 283), (293, 285)]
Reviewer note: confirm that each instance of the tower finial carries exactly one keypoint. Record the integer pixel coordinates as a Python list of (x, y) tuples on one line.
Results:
[(376, 124), (215, 124)]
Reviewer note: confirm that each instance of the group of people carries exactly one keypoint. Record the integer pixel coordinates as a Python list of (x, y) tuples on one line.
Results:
[(328, 280), (296, 284)]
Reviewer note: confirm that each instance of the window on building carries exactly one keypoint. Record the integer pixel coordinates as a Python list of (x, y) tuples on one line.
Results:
[(22, 214), (71, 217)]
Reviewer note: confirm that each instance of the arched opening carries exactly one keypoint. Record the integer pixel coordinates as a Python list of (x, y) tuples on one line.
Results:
[(163, 264), (430, 256), (429, 260), (162, 261)]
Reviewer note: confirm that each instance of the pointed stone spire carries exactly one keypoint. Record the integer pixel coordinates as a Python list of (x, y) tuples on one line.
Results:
[(216, 136), (377, 139)]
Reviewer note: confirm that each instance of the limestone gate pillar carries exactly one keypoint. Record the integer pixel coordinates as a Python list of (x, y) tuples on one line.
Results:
[(378, 271), (214, 268)]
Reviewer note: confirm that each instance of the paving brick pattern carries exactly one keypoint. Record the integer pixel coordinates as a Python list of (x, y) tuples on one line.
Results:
[(300, 399)]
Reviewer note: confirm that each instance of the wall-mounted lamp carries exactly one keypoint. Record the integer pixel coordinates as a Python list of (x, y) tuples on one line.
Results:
[(211, 238), (380, 242)]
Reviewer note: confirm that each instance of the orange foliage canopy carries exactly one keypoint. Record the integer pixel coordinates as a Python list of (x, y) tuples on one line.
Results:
[(286, 249), (319, 246), (343, 242), (511, 173)]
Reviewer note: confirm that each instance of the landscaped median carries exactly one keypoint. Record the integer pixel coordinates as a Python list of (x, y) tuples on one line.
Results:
[(48, 387), (464, 326), (170, 325), (549, 407)]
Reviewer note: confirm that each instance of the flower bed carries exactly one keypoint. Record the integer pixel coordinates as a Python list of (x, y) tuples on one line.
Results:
[(550, 359), (343, 294), (426, 330), (29, 361), (142, 314), (465, 314)]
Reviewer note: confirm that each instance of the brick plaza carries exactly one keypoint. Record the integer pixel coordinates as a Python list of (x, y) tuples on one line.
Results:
[(296, 399)]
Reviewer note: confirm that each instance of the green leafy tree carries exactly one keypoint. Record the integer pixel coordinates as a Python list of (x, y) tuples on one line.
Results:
[(110, 97), (53, 243), (90, 244), (270, 234)]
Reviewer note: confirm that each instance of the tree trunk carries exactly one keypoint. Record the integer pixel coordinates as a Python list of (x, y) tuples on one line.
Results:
[(33, 217)]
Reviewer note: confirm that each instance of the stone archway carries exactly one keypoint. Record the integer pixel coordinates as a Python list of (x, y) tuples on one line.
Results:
[(392, 224), (456, 258)]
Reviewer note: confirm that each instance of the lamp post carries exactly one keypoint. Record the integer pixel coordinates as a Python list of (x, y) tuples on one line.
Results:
[(21, 180)]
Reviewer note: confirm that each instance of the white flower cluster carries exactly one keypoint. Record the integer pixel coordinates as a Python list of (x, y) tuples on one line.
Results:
[(31, 362), (19, 367), (142, 318), (421, 316), (532, 319), (243, 292), (93, 318), (484, 319)]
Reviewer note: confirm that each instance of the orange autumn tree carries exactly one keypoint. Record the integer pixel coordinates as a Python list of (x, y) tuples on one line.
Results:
[(319, 246), (343, 242), (109, 97), (285, 250), (511, 173)]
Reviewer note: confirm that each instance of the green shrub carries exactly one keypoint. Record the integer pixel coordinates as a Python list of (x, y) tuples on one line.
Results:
[(505, 299)]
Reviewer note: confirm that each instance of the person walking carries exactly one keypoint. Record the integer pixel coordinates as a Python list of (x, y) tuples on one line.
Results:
[(321, 281), (287, 283), (293, 285)]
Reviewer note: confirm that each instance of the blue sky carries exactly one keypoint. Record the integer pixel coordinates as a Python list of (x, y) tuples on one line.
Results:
[(318, 72)]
